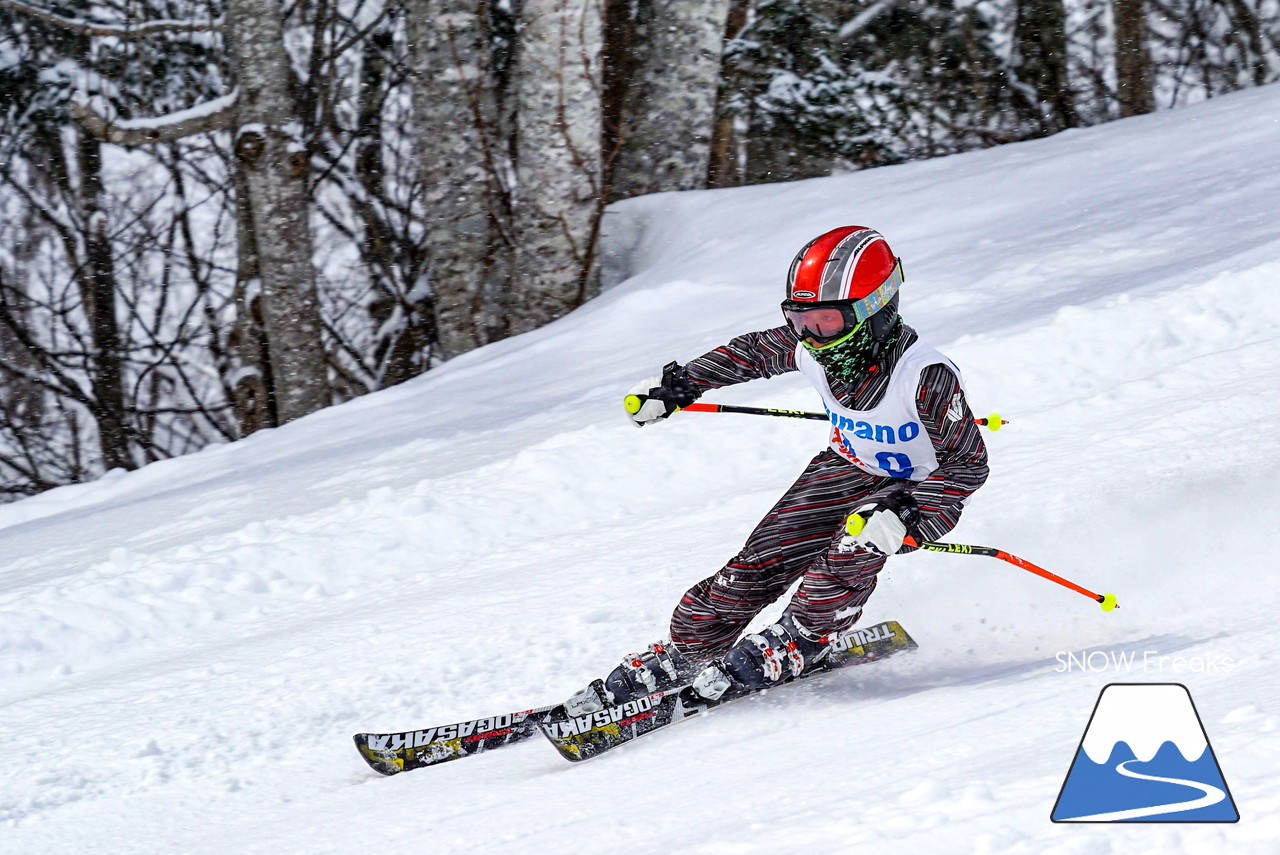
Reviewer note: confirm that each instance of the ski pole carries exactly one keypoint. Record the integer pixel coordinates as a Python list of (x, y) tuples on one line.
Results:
[(1107, 601), (991, 422)]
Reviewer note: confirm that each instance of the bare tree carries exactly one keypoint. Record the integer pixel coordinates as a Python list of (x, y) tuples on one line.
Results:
[(390, 244), (95, 276), (1133, 58), (21, 397), (723, 168), (284, 369), (73, 175), (27, 463), (560, 191)]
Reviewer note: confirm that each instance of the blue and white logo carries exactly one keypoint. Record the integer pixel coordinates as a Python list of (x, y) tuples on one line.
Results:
[(1145, 757)]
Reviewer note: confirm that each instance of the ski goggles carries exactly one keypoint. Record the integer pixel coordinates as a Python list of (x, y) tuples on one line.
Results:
[(828, 322), (822, 323)]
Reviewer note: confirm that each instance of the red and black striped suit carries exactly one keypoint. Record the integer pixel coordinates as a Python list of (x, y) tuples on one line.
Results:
[(797, 539)]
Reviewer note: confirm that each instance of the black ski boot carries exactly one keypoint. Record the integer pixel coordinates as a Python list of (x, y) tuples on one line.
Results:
[(658, 669), (763, 659)]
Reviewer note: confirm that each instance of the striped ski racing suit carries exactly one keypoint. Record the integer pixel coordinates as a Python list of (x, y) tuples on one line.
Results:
[(799, 536)]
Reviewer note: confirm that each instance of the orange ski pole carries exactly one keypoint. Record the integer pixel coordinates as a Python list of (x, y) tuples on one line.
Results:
[(1107, 601)]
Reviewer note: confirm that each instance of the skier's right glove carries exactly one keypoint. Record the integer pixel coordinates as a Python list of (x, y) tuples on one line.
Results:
[(657, 398)]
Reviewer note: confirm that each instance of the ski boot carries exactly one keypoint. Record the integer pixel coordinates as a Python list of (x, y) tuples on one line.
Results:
[(658, 669), (763, 659)]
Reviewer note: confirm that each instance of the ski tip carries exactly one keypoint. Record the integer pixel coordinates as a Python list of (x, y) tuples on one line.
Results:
[(550, 725), (904, 641), (382, 761), (583, 737)]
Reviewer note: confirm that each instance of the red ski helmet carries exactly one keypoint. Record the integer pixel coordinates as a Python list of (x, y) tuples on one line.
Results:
[(838, 280)]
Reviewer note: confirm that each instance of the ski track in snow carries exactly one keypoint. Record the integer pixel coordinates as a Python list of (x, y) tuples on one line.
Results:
[(195, 642)]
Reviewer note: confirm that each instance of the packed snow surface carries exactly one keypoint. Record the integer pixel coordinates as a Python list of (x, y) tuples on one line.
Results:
[(186, 650)]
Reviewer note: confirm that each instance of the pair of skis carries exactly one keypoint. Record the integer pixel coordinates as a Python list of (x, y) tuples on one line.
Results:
[(583, 737)]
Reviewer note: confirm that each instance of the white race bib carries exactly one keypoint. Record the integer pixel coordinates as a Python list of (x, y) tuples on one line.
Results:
[(888, 440)]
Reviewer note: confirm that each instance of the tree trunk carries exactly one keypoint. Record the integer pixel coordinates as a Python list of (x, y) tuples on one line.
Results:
[(724, 170), (560, 193), (97, 283), (460, 148), (667, 118), (620, 61), (252, 381), (1133, 61), (1040, 61), (1248, 31), (402, 345), (23, 400), (273, 168)]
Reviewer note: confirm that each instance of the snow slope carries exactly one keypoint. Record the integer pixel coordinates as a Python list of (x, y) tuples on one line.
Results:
[(185, 650)]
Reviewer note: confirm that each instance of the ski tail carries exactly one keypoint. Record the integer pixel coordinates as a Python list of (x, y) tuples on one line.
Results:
[(391, 753), (580, 738), (867, 644)]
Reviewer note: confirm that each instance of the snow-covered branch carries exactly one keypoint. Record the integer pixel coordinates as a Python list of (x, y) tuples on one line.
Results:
[(215, 115), (859, 22), (121, 31)]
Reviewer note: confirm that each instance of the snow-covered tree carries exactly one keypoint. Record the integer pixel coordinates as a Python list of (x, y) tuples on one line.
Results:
[(283, 372), (821, 86), (217, 216), (1204, 48), (72, 329), (1040, 62)]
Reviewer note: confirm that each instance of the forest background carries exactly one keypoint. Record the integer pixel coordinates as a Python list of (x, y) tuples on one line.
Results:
[(217, 216)]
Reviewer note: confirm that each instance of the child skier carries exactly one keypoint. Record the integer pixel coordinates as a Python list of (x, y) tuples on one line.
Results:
[(904, 455)]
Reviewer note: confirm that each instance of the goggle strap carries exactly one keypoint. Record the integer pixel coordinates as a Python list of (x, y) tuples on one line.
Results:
[(879, 298)]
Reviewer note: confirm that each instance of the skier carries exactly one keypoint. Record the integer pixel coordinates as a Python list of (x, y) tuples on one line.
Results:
[(904, 456)]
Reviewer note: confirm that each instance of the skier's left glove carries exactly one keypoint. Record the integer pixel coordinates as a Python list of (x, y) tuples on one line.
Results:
[(880, 526), (658, 397)]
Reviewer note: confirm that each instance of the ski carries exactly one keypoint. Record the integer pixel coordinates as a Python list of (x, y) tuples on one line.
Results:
[(391, 753), (583, 737)]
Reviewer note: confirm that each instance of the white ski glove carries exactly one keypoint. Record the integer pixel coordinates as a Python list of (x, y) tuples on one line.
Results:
[(879, 527), (657, 398)]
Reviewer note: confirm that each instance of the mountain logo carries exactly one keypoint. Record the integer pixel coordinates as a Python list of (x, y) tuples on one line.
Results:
[(1145, 757)]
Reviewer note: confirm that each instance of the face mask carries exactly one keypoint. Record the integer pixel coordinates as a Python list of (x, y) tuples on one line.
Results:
[(851, 356)]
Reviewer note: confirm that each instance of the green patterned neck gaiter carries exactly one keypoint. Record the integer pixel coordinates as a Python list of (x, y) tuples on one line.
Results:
[(849, 359)]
